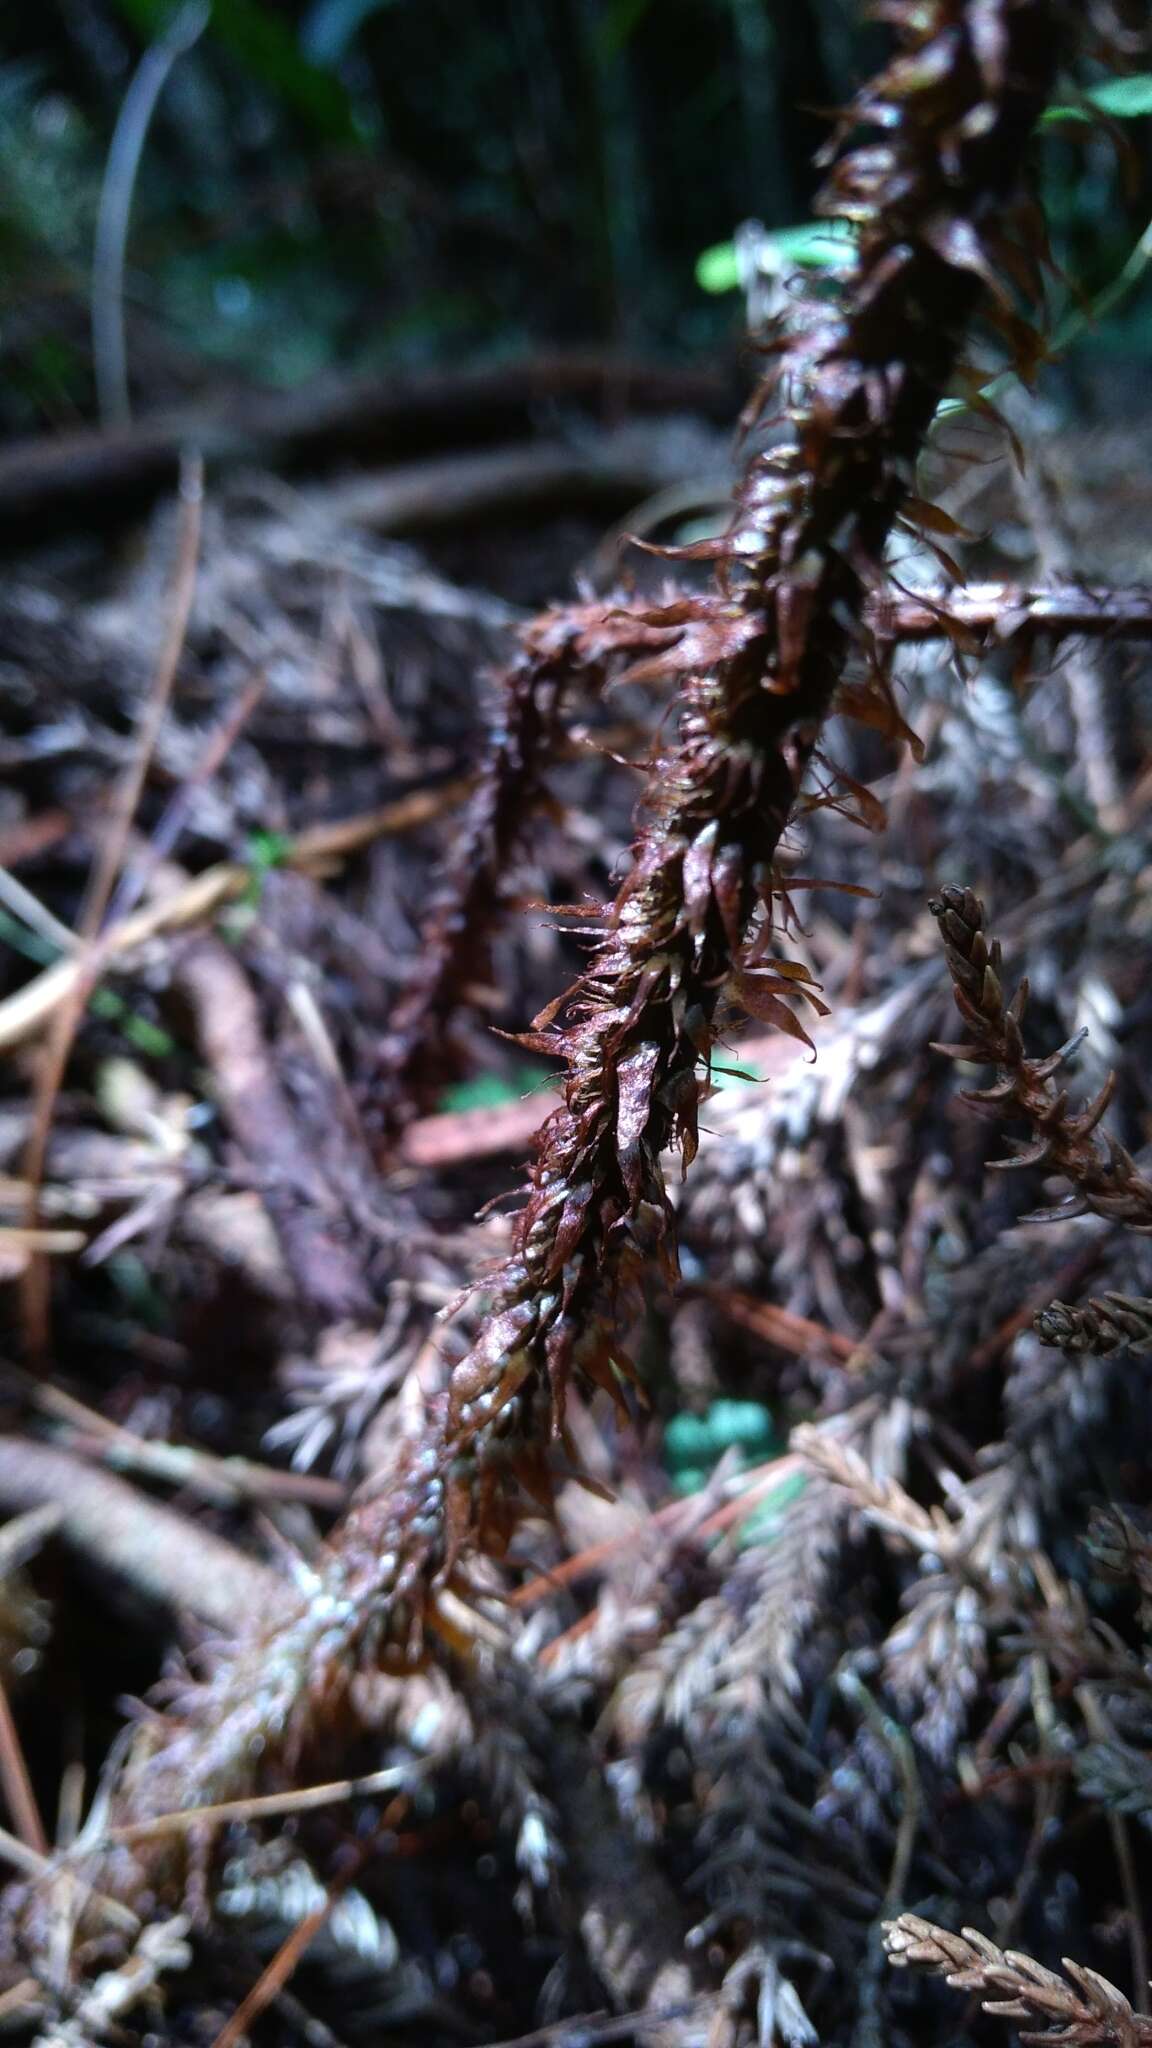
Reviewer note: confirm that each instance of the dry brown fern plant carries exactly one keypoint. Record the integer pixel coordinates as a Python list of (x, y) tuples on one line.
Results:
[(931, 156), (1101, 1324), (1105, 1179), (574, 652)]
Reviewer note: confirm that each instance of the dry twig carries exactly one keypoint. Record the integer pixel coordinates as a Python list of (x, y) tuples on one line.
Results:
[(1088, 2013), (1105, 1178)]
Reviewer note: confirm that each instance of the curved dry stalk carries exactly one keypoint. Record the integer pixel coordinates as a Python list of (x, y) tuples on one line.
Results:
[(572, 649)]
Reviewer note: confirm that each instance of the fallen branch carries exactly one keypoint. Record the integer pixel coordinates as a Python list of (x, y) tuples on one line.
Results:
[(86, 478)]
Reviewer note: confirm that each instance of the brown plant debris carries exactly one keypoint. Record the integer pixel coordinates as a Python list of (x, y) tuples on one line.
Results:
[(860, 366), (1012, 1986), (1103, 1323), (510, 1714), (1104, 1176)]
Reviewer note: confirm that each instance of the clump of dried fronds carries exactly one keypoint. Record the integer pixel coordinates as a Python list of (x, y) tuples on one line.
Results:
[(760, 671), (1104, 1176), (862, 362), (1080, 2014)]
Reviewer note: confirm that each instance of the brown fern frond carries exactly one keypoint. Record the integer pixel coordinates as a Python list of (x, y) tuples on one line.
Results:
[(1080, 2014), (820, 506), (573, 649), (1105, 1179), (1103, 1323), (861, 366)]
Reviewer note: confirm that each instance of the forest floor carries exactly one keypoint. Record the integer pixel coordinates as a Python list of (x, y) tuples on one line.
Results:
[(841, 1630)]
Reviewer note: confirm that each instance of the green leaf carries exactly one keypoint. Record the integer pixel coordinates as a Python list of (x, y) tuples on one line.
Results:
[(139, 1031), (690, 1479), (267, 849), (490, 1091), (717, 269), (696, 1442), (814, 245), (1123, 99), (484, 1091)]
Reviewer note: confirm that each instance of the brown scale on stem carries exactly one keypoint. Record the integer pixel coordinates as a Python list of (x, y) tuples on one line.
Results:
[(860, 366), (1105, 1179)]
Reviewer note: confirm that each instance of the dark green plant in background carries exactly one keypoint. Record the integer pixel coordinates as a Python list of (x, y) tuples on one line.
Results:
[(320, 190)]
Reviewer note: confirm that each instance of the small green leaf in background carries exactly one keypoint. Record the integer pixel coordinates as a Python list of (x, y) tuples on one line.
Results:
[(492, 1091), (694, 1444), (267, 849), (815, 245), (139, 1031), (264, 851), (717, 269), (1123, 99)]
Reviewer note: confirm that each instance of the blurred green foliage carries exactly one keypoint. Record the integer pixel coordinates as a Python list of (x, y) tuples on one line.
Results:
[(348, 185), (694, 1444)]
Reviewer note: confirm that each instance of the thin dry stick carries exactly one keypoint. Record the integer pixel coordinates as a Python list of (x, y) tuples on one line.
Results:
[(1003, 612), (17, 1783), (275, 1975), (22, 2001), (326, 1271), (109, 353), (224, 1480), (35, 1286), (129, 1537), (263, 1806), (755, 1483), (31, 1864), (134, 881)]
